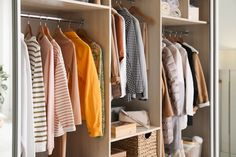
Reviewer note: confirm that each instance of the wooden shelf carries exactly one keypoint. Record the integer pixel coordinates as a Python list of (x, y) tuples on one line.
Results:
[(56, 7), (175, 21), (140, 131)]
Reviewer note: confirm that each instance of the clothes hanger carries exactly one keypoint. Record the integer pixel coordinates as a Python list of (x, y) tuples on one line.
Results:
[(69, 28), (138, 13), (47, 31), (118, 5), (83, 34), (28, 31), (41, 32), (180, 38)]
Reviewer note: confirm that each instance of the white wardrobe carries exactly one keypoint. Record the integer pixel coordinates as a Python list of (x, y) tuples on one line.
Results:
[(97, 24)]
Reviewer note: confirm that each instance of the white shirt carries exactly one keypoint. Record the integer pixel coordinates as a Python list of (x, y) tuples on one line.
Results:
[(123, 76), (27, 119), (189, 89), (142, 59)]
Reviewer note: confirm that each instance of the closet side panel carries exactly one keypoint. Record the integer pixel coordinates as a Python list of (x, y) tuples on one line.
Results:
[(232, 113), (200, 39), (224, 111), (79, 143)]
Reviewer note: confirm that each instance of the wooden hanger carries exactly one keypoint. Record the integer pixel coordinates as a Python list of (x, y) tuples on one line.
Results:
[(47, 32), (180, 38), (69, 28), (138, 13), (59, 34), (28, 31), (41, 32), (118, 5), (84, 36)]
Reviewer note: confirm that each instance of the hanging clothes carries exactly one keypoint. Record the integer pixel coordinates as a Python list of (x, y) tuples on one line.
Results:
[(140, 44), (115, 66), (27, 111), (121, 42), (188, 77), (172, 126), (180, 77), (64, 121), (48, 78), (144, 30), (40, 119), (171, 75), (90, 94), (167, 112), (134, 71), (202, 99), (98, 60), (70, 61)]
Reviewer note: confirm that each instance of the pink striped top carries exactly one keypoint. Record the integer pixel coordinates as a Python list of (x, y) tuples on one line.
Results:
[(64, 117)]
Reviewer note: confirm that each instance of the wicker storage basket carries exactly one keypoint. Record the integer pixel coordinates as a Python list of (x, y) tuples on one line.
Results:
[(139, 146)]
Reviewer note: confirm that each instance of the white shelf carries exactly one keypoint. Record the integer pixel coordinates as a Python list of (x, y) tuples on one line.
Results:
[(51, 6), (140, 131), (175, 21)]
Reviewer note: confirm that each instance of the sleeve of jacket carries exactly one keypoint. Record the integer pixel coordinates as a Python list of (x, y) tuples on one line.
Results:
[(189, 88), (203, 99), (172, 80), (167, 110), (93, 107)]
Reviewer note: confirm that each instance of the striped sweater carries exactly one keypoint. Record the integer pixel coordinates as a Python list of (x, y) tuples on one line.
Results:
[(64, 117), (39, 108)]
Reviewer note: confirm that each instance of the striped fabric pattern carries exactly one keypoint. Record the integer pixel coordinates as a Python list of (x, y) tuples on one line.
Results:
[(64, 117), (39, 108)]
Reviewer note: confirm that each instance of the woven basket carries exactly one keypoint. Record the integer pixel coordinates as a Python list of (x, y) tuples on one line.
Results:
[(139, 146)]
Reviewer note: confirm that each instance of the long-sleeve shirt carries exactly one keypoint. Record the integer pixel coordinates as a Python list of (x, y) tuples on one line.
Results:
[(134, 74), (115, 66), (98, 59), (121, 43), (40, 119), (188, 77), (48, 75), (90, 94), (70, 61), (142, 59), (64, 117), (27, 114)]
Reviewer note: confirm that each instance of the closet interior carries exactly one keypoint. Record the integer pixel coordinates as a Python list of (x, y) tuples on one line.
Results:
[(96, 20)]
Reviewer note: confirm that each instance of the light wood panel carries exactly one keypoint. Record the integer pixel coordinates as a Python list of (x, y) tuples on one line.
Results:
[(184, 8), (59, 6), (176, 21), (97, 25), (140, 131)]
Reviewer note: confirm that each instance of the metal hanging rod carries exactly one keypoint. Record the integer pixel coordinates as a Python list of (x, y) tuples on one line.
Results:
[(180, 32), (31, 16)]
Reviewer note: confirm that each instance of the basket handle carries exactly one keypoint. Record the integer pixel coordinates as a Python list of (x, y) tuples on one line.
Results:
[(148, 135)]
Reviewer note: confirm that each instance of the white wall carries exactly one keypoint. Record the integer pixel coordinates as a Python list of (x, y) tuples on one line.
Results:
[(227, 24), (6, 51)]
